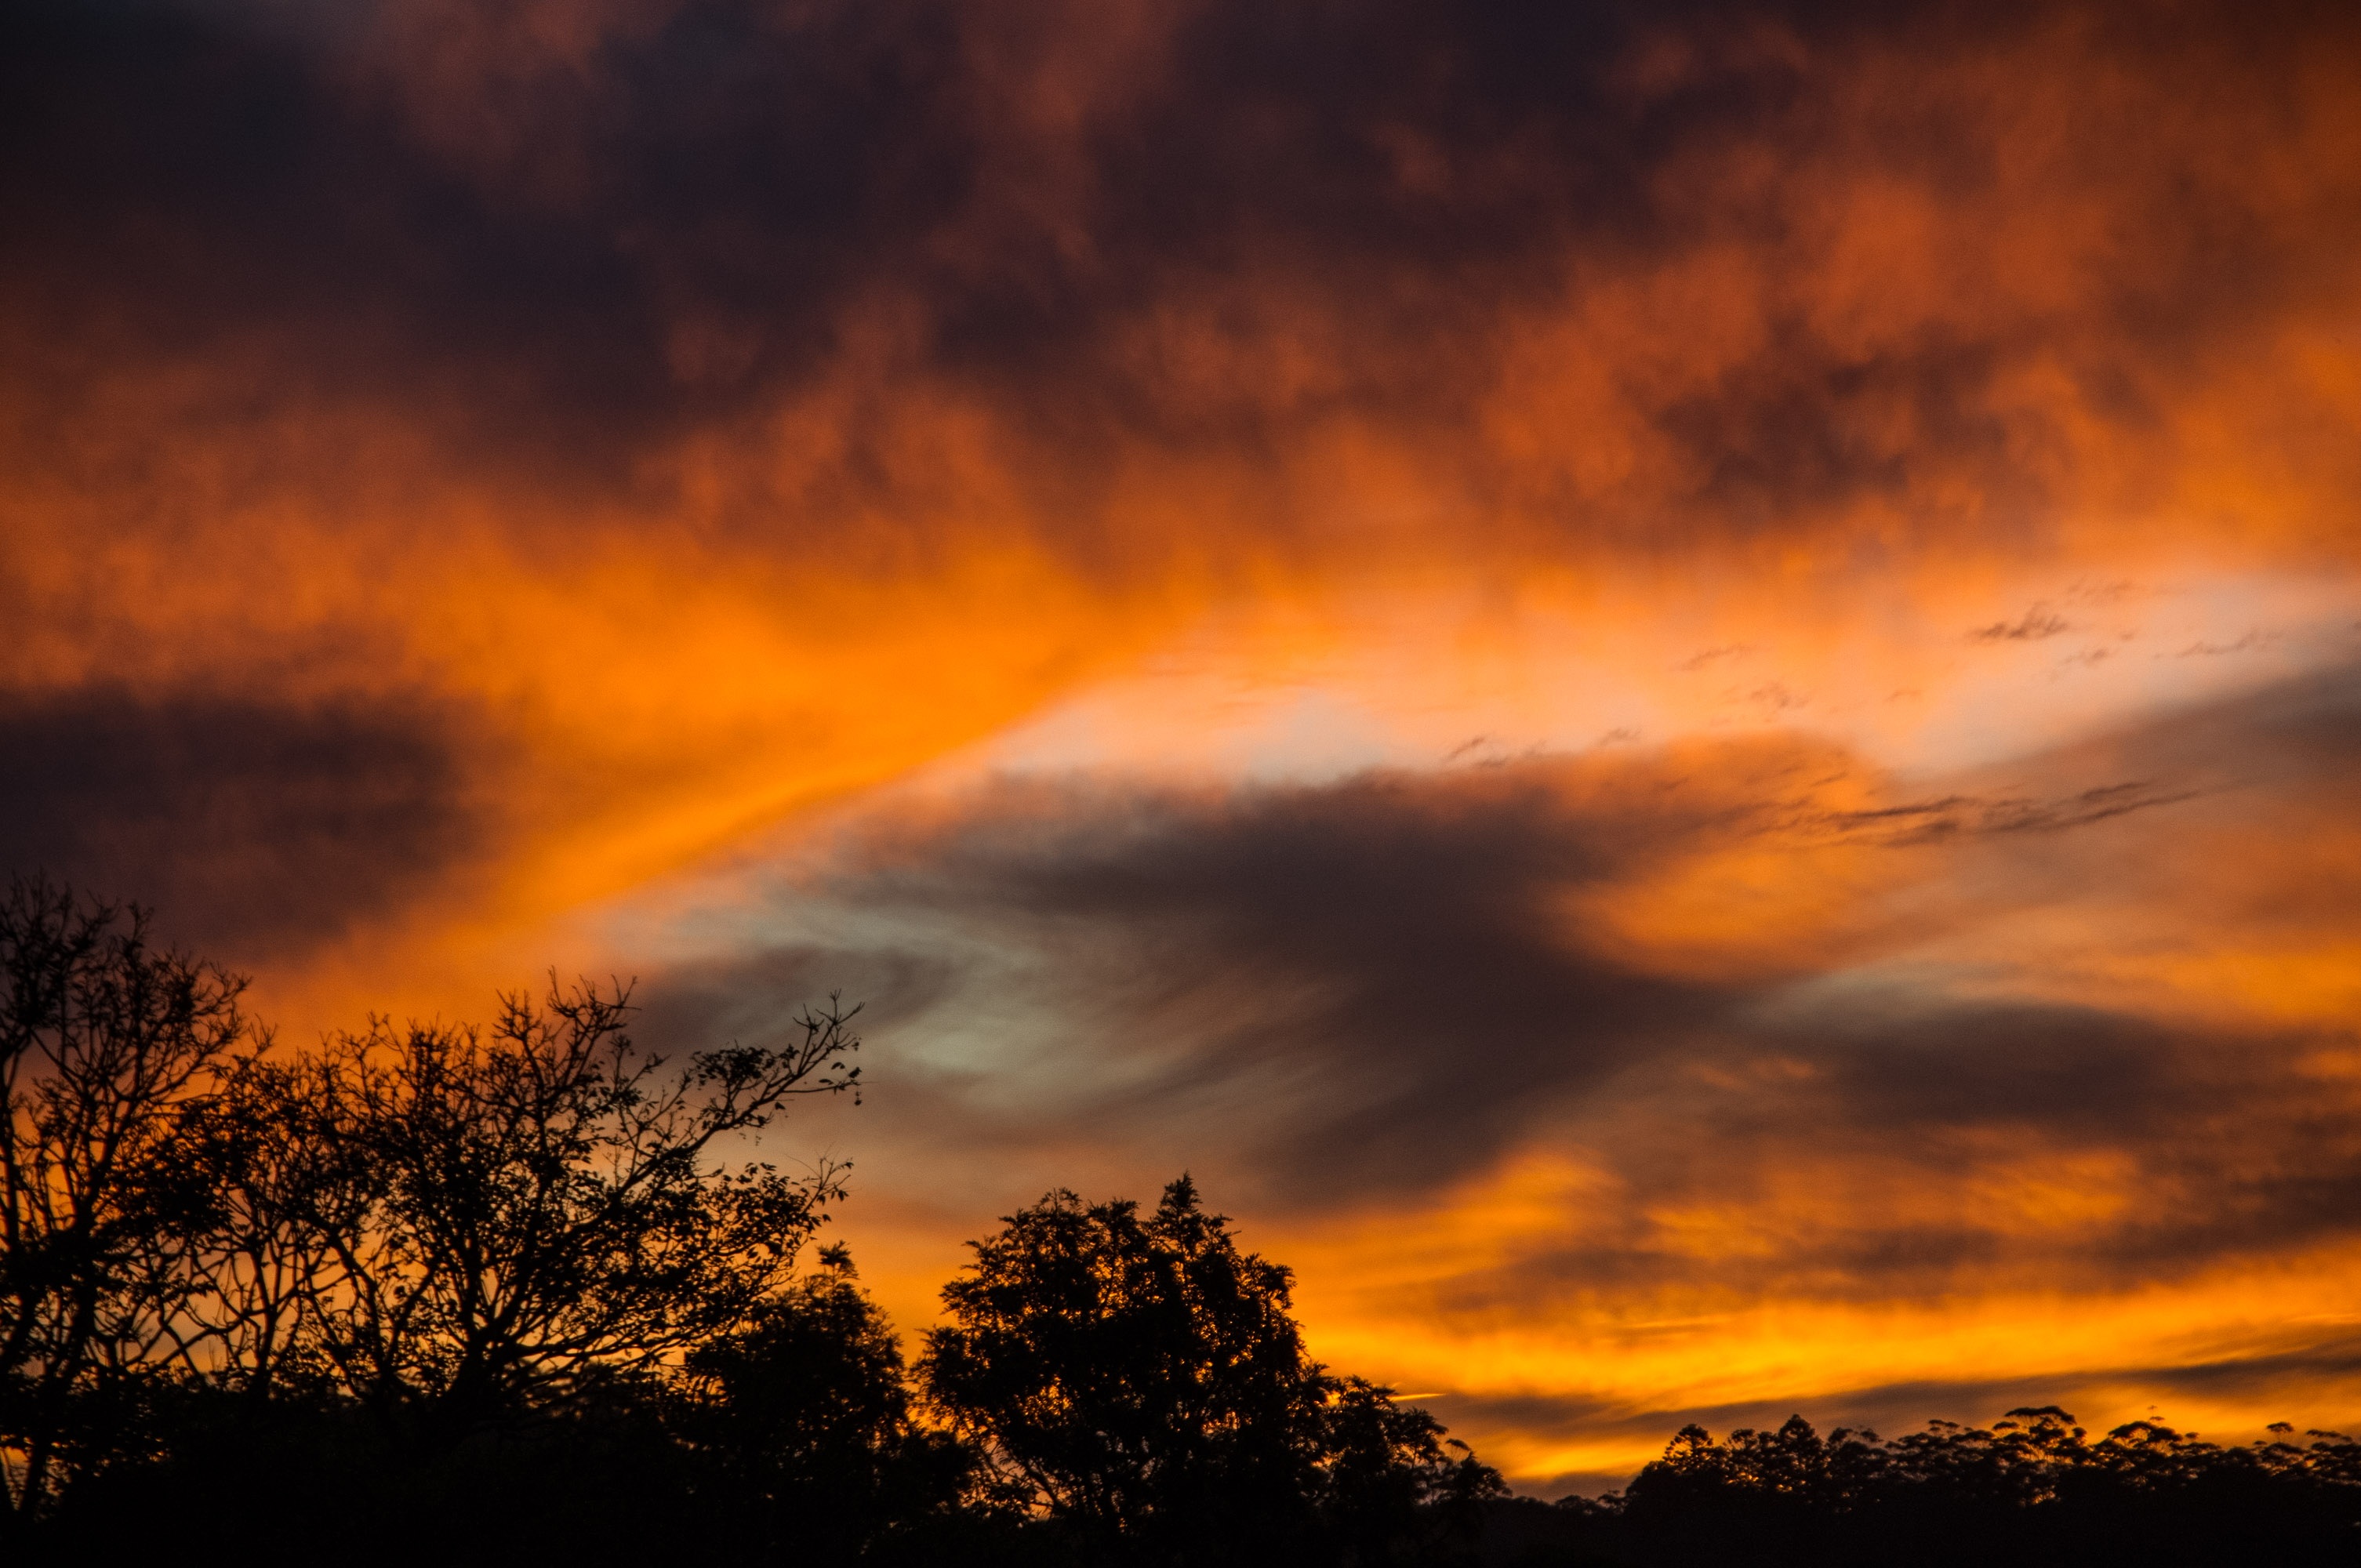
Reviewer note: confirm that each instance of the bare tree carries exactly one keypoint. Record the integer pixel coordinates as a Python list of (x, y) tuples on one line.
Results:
[(505, 1223), (107, 1048), (241, 1269)]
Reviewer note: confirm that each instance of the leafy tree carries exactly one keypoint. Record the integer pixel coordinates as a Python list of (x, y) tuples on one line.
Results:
[(1389, 1487), (108, 1049), (1140, 1381), (2032, 1488), (802, 1427)]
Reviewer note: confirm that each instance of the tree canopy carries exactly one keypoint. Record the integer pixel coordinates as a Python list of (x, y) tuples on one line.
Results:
[(1140, 1379), (2033, 1488)]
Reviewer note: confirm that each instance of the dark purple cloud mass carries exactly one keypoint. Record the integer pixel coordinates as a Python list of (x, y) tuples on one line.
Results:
[(559, 239), (259, 831)]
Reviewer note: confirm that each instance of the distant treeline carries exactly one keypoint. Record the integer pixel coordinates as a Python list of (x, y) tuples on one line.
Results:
[(443, 1294), (2031, 1489)]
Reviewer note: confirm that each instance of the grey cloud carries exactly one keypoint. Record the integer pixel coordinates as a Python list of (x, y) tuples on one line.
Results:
[(1334, 993), (755, 999), (1923, 821), (2036, 625), (556, 263), (1382, 956)]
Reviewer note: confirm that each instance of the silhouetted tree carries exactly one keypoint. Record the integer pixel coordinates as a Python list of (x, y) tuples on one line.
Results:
[(477, 1295), (802, 1425), (254, 1254), (1140, 1381), (442, 1232), (108, 1047), (1391, 1487), (506, 1223), (2032, 1488)]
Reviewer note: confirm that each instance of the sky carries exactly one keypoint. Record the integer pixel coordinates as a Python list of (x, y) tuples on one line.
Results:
[(1676, 688)]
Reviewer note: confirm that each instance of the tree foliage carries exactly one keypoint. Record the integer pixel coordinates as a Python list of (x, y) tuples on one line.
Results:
[(2033, 1488), (1140, 1380), (804, 1423)]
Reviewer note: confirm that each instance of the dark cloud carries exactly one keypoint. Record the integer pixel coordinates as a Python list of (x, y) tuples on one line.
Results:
[(2070, 1071), (2300, 735), (2035, 625), (756, 999), (188, 180), (1880, 1158), (1925, 820), (567, 236), (256, 831), (1382, 956)]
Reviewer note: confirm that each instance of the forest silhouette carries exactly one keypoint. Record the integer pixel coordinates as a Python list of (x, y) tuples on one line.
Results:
[(446, 1293)]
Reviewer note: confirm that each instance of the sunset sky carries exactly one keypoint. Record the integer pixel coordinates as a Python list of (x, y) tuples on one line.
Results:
[(1676, 688)]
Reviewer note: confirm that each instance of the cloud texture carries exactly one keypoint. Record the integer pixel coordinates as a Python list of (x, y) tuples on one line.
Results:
[(1676, 681), (1950, 1064)]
